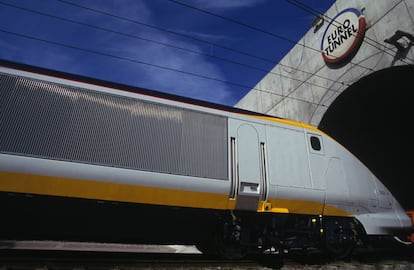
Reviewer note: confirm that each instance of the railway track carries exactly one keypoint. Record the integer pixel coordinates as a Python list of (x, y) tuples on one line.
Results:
[(131, 261), (22, 259)]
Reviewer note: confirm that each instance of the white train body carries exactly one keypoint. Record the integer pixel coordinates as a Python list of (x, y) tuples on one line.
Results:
[(63, 137)]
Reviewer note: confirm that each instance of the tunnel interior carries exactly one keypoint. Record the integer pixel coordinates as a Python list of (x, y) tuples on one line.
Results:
[(372, 119)]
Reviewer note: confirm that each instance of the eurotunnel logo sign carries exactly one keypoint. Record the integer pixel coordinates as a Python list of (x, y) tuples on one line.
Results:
[(343, 36)]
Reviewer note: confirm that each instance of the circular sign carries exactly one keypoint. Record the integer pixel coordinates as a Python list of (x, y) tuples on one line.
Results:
[(343, 35)]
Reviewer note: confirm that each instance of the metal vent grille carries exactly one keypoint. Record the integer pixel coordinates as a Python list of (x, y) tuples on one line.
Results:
[(54, 121)]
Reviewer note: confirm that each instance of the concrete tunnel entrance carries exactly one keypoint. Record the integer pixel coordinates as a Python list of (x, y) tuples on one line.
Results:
[(372, 119)]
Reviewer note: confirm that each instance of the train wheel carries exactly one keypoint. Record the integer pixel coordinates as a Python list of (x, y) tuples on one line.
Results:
[(339, 251), (230, 251), (218, 247)]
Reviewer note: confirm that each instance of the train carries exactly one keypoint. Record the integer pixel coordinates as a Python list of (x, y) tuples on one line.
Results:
[(83, 159)]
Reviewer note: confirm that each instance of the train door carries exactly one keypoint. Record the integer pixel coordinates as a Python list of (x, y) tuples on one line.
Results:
[(248, 164)]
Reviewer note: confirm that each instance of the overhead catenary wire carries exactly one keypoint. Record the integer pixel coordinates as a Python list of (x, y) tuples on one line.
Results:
[(175, 46), (196, 39), (166, 30)]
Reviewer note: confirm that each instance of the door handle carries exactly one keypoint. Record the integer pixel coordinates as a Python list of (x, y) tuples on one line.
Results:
[(249, 188)]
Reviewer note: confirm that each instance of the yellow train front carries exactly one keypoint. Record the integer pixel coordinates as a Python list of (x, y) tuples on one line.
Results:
[(88, 160)]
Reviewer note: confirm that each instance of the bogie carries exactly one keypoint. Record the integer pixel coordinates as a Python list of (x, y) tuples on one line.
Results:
[(244, 233)]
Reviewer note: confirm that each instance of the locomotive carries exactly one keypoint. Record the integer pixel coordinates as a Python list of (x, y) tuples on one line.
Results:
[(83, 159)]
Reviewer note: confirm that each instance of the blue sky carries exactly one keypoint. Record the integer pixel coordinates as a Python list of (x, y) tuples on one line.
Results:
[(211, 50)]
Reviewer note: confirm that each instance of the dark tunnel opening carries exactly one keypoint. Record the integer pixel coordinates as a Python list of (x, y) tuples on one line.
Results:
[(372, 120)]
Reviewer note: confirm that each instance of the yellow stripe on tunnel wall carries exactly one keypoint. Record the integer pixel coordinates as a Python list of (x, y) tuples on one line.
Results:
[(87, 189)]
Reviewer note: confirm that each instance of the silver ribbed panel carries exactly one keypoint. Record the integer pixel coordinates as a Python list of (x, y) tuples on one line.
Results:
[(50, 120)]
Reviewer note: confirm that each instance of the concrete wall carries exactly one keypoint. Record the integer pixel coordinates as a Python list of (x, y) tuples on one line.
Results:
[(302, 86)]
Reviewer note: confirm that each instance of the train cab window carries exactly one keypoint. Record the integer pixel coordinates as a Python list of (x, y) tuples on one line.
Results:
[(315, 142)]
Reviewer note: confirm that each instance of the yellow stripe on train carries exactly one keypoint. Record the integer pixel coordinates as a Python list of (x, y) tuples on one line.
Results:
[(88, 189)]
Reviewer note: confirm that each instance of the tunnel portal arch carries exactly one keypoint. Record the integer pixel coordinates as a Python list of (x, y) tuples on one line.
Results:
[(372, 118)]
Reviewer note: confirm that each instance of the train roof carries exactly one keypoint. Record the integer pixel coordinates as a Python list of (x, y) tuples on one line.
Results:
[(124, 87)]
